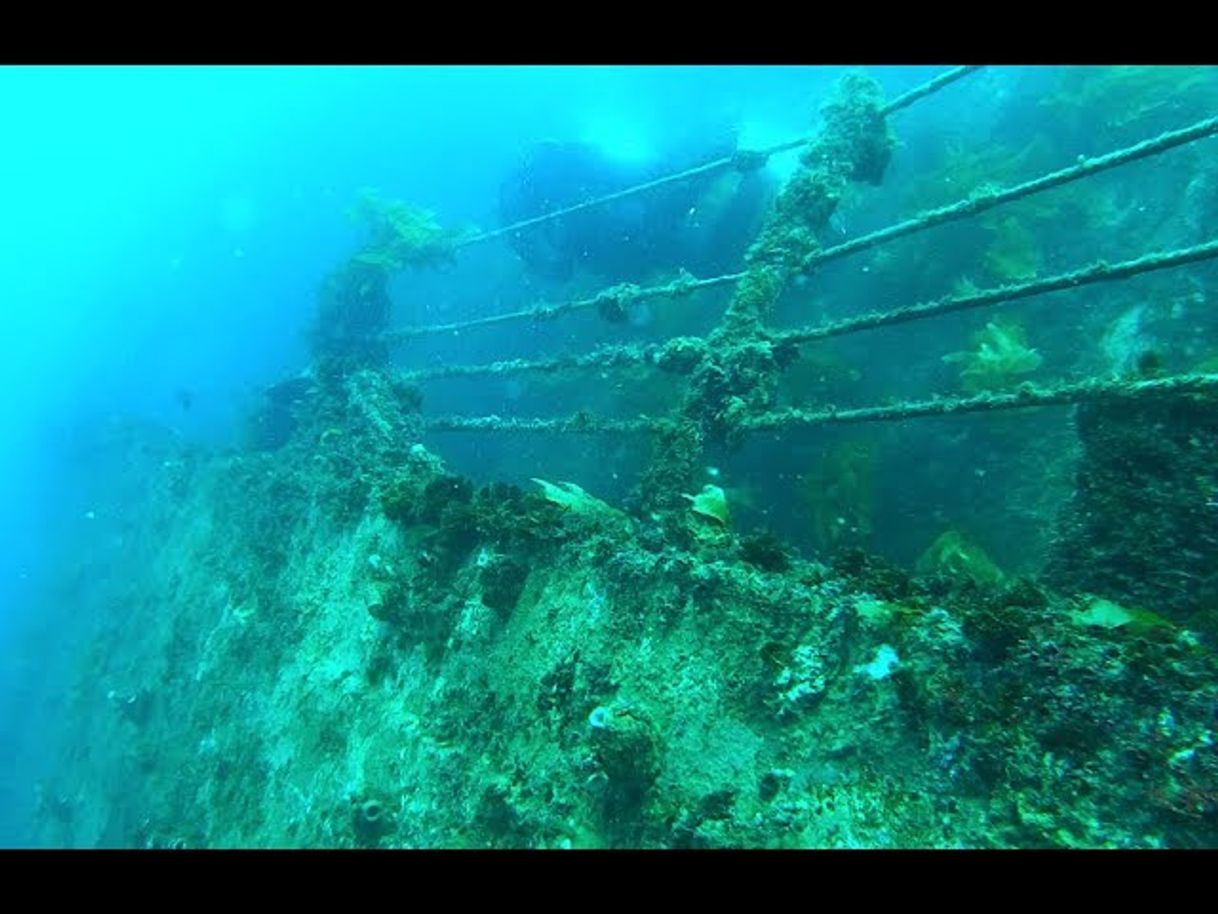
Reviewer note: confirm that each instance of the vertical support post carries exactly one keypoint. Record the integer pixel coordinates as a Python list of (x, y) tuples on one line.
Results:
[(738, 373)]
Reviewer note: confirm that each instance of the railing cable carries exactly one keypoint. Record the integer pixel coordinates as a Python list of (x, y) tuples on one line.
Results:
[(620, 356), (1026, 396), (744, 160)]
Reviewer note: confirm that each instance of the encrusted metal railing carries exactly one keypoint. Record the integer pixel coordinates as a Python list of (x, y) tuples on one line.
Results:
[(732, 371)]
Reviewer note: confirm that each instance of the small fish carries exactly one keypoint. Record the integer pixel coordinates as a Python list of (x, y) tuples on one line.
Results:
[(184, 398)]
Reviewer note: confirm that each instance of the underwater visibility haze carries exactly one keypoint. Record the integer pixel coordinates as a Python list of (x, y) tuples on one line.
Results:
[(609, 457)]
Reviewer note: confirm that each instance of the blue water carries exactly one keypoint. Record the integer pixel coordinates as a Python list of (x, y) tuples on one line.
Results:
[(166, 228)]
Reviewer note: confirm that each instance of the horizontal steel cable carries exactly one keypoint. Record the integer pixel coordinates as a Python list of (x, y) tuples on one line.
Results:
[(1024, 397), (743, 159), (1088, 275), (982, 199), (618, 356)]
